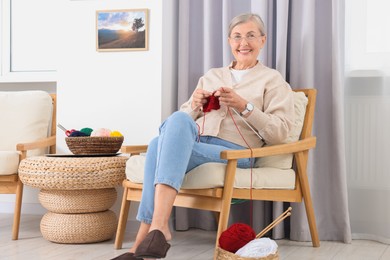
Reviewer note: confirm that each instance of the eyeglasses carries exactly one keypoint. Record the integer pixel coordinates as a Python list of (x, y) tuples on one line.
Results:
[(249, 38)]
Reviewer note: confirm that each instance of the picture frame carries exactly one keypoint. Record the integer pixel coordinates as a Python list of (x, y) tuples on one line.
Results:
[(122, 30)]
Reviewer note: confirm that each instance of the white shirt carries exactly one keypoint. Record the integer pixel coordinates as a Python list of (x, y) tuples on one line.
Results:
[(238, 75)]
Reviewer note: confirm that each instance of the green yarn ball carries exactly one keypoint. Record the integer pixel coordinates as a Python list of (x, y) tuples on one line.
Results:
[(87, 131)]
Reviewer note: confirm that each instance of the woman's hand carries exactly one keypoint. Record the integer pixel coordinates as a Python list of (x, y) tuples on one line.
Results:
[(230, 98), (199, 98)]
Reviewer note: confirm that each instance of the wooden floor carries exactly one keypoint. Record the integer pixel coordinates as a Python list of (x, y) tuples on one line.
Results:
[(194, 244)]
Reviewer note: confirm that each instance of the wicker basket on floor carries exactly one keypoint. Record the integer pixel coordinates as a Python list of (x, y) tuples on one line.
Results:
[(78, 201), (94, 145), (78, 228), (226, 255)]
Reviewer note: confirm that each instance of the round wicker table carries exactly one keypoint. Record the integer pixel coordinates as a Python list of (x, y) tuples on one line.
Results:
[(77, 192)]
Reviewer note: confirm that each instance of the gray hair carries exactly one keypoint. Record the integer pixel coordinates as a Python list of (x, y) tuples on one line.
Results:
[(243, 18)]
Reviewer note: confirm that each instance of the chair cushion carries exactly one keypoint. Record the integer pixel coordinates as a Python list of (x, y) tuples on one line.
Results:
[(212, 175), (25, 117), (285, 161), (9, 162)]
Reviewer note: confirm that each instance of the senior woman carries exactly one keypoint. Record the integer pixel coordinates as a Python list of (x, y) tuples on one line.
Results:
[(263, 110)]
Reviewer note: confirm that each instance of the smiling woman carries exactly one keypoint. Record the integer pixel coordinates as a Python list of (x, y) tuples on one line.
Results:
[(263, 106), (246, 39), (120, 30)]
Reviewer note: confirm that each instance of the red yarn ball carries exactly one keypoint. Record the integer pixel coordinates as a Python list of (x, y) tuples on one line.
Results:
[(236, 236)]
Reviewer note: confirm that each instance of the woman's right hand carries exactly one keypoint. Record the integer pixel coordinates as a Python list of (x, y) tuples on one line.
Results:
[(199, 97)]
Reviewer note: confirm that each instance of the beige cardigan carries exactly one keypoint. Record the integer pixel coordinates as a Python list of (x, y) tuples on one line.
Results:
[(265, 88)]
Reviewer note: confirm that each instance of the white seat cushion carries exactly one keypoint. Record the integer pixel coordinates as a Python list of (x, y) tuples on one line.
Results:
[(25, 117), (285, 161), (212, 175), (9, 162)]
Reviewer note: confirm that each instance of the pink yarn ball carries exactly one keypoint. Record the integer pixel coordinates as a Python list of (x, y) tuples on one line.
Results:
[(101, 132)]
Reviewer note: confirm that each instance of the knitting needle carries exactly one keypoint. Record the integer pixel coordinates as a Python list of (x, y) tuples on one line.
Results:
[(258, 135), (67, 132), (62, 128), (276, 220), (271, 227), (284, 215)]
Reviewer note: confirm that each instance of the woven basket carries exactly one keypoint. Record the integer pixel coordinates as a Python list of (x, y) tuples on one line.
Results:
[(94, 145), (222, 254), (78, 228), (78, 201)]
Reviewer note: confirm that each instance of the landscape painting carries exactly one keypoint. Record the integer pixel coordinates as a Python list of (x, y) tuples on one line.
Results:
[(122, 30)]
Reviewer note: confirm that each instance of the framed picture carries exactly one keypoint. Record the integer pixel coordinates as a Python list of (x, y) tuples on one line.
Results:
[(122, 30)]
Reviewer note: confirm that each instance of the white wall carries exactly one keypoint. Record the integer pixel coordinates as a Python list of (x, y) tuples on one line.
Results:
[(116, 90)]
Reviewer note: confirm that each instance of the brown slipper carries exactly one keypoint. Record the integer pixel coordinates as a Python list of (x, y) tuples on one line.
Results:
[(154, 246), (127, 256)]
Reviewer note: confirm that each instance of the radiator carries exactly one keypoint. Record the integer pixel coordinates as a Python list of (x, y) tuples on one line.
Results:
[(367, 126), (368, 141)]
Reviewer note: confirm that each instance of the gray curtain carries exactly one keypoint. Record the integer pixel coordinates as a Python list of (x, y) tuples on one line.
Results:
[(305, 43)]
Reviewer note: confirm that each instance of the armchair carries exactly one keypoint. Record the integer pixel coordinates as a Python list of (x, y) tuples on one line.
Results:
[(279, 175), (28, 121)]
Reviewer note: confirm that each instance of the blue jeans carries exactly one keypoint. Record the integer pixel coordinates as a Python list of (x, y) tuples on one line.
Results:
[(175, 152)]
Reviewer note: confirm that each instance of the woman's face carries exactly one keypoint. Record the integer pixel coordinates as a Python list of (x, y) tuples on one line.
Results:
[(246, 41)]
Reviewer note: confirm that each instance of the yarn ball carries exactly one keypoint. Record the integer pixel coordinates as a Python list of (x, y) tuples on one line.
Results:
[(76, 134), (212, 103), (261, 247), (86, 131), (236, 236), (101, 132), (115, 134)]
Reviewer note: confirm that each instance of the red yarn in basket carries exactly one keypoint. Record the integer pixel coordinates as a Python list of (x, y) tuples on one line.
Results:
[(236, 236)]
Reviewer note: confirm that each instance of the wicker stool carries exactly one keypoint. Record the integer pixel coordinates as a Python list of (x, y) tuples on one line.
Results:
[(78, 192)]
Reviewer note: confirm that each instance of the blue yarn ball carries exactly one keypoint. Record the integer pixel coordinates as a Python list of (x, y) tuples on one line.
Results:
[(77, 134)]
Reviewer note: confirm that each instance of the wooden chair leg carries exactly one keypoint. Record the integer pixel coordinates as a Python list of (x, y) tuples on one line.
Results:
[(307, 199), (222, 221), (312, 224), (123, 215), (226, 200), (17, 211)]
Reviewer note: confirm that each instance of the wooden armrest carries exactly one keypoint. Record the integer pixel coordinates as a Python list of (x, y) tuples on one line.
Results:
[(134, 149), (278, 149), (299, 146), (41, 143), (9, 178)]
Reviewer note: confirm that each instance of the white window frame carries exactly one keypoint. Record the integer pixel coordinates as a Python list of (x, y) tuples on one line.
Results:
[(6, 73), (359, 56)]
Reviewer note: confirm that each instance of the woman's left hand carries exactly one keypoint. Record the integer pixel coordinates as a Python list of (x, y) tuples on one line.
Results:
[(230, 98)]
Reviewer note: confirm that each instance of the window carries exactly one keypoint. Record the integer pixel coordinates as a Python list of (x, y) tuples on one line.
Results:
[(28, 40), (367, 35)]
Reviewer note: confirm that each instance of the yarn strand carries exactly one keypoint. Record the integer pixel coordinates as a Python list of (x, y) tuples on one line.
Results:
[(251, 162), (213, 104)]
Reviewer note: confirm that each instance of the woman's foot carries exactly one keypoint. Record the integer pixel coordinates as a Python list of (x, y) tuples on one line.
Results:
[(165, 231)]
